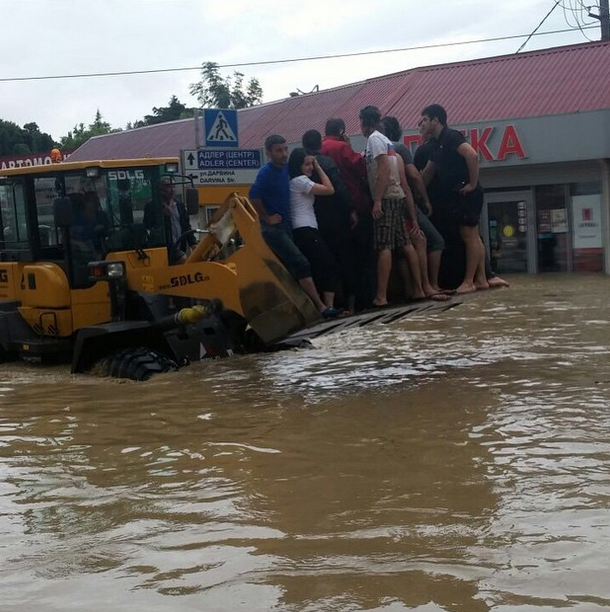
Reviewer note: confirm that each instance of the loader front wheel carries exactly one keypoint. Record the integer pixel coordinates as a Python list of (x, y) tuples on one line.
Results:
[(139, 364)]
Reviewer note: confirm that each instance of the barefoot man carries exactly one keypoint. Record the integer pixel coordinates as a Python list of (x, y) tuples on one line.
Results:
[(456, 165)]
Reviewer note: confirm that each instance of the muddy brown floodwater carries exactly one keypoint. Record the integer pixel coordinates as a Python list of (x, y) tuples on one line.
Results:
[(459, 462)]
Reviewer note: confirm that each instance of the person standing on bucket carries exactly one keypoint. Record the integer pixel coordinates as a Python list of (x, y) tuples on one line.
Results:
[(270, 196), (456, 165)]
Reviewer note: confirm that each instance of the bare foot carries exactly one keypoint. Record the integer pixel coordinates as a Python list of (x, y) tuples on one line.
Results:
[(378, 303), (438, 296), (481, 286), (496, 281), (465, 288)]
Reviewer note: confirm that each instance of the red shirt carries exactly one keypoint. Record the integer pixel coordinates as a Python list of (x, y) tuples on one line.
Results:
[(353, 171)]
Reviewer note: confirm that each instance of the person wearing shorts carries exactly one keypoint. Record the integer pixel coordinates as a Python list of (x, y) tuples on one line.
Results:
[(426, 239), (456, 165), (389, 190)]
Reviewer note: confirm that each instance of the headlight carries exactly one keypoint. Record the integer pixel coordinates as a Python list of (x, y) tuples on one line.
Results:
[(116, 269), (106, 270)]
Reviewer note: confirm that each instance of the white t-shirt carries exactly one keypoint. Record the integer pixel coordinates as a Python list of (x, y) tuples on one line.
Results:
[(302, 213), (376, 145)]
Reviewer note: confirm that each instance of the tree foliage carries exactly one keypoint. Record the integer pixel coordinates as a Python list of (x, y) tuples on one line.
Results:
[(216, 91), (173, 111), (22, 141), (80, 134)]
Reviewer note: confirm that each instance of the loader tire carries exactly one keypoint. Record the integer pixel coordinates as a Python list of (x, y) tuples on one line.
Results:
[(139, 364), (5, 355)]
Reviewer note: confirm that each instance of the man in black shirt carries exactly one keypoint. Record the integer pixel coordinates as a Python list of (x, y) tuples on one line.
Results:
[(455, 167)]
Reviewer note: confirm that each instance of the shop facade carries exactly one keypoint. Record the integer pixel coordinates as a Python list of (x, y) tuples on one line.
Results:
[(547, 191), (540, 122)]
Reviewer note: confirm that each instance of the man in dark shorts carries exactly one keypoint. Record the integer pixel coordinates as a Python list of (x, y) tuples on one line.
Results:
[(270, 196), (456, 166)]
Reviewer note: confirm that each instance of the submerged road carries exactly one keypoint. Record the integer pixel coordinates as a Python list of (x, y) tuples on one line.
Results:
[(456, 461)]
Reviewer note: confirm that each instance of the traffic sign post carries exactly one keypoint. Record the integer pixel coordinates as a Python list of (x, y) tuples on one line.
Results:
[(220, 127), (217, 167)]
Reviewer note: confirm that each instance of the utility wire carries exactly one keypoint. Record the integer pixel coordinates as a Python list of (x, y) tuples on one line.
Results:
[(557, 3), (296, 59)]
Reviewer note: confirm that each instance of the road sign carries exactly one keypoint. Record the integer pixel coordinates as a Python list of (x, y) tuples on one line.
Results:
[(222, 167), (220, 127)]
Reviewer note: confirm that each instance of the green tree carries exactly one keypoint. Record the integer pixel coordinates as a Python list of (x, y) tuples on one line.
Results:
[(173, 111), (214, 90), (22, 141), (37, 140), (80, 134)]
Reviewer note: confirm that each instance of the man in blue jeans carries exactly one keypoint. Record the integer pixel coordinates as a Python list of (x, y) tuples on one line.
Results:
[(270, 196)]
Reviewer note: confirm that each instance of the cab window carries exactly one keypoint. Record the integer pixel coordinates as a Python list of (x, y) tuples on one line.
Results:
[(13, 213)]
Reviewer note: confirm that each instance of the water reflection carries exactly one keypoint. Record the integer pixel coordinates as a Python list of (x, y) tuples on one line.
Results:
[(458, 462)]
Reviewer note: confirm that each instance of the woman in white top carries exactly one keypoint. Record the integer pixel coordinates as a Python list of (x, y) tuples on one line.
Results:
[(303, 190)]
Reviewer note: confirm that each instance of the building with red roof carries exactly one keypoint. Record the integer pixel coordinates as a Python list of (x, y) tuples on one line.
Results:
[(540, 121)]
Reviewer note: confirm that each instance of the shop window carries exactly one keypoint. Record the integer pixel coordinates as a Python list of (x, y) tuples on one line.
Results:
[(552, 228), (587, 228)]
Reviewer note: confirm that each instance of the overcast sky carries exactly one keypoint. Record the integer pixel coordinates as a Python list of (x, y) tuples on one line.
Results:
[(65, 37)]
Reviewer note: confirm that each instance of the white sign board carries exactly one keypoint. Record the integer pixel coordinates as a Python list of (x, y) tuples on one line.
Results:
[(587, 222), (222, 166)]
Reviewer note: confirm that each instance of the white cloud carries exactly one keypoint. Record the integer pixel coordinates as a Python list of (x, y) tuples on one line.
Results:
[(56, 37)]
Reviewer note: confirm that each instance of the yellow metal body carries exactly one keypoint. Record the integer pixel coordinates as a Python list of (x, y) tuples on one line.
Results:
[(48, 305), (248, 279), (232, 263)]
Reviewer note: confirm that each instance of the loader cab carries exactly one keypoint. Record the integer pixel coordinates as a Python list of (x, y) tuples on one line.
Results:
[(75, 213)]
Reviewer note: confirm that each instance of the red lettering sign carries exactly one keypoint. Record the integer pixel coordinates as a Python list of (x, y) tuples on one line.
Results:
[(510, 144), (33, 159), (479, 137), (479, 142)]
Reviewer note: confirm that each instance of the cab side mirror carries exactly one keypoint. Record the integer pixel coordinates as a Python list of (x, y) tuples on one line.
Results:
[(62, 212), (192, 201)]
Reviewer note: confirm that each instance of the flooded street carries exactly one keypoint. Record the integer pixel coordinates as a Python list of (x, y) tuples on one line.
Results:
[(458, 462)]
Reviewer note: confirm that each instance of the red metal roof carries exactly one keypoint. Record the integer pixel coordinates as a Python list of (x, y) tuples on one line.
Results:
[(553, 81)]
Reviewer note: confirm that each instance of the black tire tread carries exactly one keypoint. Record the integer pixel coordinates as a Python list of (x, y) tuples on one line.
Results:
[(139, 364)]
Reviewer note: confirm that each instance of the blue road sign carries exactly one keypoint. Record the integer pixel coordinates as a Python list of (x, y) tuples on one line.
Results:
[(220, 127)]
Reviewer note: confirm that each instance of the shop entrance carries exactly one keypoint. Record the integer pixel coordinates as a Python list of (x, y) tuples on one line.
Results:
[(506, 224)]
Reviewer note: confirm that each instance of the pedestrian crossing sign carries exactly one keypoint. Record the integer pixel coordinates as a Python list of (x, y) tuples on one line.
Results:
[(220, 127)]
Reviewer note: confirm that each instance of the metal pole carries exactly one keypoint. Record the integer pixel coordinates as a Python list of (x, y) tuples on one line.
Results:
[(197, 138), (604, 19)]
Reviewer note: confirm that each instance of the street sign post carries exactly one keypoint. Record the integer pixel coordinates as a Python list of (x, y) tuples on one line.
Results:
[(220, 127), (221, 167)]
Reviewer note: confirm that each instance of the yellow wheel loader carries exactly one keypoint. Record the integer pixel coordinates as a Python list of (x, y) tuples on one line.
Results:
[(87, 274), (83, 277)]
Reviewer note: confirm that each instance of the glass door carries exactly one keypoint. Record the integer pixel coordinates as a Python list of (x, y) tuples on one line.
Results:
[(508, 225)]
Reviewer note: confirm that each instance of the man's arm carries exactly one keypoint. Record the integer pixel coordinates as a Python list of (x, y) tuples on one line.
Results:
[(255, 197), (381, 183), (472, 163), (186, 226), (413, 176), (408, 195), (351, 158), (262, 213), (428, 172)]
